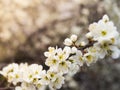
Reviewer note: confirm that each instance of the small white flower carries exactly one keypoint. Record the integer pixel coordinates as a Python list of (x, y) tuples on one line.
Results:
[(52, 75), (8, 69), (78, 58), (102, 49), (115, 52), (45, 80), (64, 66), (15, 77), (28, 76), (35, 69), (90, 58), (73, 69), (51, 52), (106, 49), (63, 54), (52, 61), (93, 50), (57, 84), (39, 86)]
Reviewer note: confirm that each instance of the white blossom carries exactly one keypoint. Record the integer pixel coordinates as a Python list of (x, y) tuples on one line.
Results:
[(63, 54), (57, 84), (78, 58), (64, 66), (52, 61), (45, 80), (51, 51), (115, 52), (90, 58), (103, 30)]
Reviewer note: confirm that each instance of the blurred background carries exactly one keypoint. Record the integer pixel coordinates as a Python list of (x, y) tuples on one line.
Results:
[(29, 27)]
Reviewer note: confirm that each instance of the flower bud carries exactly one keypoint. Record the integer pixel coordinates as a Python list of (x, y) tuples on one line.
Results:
[(105, 18), (88, 35), (68, 42), (73, 38)]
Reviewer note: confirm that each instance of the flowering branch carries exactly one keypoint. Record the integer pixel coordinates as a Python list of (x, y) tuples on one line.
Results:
[(103, 40)]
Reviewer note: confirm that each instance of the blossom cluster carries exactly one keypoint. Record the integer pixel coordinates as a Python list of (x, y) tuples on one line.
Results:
[(25, 74), (103, 41)]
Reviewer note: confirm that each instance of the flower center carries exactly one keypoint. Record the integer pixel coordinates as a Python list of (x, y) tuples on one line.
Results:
[(89, 57), (54, 61), (103, 33)]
